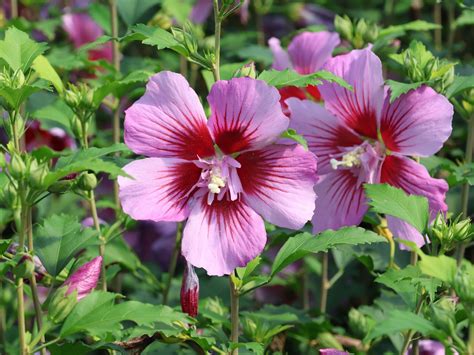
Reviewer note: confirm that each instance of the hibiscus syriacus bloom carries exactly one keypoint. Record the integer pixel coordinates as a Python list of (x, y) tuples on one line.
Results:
[(82, 29), (306, 54), (429, 347), (360, 137), (222, 174)]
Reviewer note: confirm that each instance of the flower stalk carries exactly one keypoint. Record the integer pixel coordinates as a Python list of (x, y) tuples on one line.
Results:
[(217, 41), (95, 218), (173, 262), (116, 103), (323, 296), (234, 314)]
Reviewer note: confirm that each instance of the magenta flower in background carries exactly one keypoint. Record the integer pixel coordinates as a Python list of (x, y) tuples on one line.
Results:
[(54, 138), (429, 347), (332, 352), (82, 29), (306, 54), (360, 137), (85, 279), (190, 291), (222, 174)]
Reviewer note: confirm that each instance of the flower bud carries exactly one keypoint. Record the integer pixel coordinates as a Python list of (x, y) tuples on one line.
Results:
[(328, 340), (17, 166), (8, 194), (71, 98), (462, 230), (464, 285), (190, 291), (38, 174), (18, 79), (344, 27), (87, 182), (85, 279), (25, 267), (248, 70), (359, 323), (61, 304), (443, 314)]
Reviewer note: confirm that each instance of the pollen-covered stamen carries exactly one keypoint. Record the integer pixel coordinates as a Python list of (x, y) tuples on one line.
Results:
[(349, 160), (219, 178)]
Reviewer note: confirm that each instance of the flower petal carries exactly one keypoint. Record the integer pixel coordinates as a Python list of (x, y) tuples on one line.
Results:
[(417, 123), (222, 236), (281, 60), (325, 133), (361, 108), (168, 121), (414, 179), (278, 183), (403, 230), (246, 114), (310, 50), (159, 188), (341, 201)]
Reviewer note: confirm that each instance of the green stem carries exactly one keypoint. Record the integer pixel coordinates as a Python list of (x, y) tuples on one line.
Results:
[(451, 25), (20, 286), (217, 41), (3, 322), (465, 187), (306, 296), (470, 343), (323, 296), (45, 345), (33, 285), (411, 333), (116, 111), (173, 262), (234, 315), (438, 20), (14, 10), (95, 218)]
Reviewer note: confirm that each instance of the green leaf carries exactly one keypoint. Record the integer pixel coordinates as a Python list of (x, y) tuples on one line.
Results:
[(417, 25), (18, 50), (4, 244), (97, 315), (397, 88), (46, 71), (291, 134), (288, 77), (466, 18), (303, 244), (400, 321), (119, 87), (158, 37), (440, 267), (101, 15), (131, 11), (58, 239), (460, 84), (15, 97), (58, 113), (395, 202), (87, 159)]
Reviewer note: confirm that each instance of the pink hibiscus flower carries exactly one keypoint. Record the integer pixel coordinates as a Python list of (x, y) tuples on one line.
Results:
[(360, 137), (222, 174), (82, 29), (306, 54)]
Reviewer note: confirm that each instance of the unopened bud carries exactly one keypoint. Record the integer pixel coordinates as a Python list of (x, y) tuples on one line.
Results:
[(359, 323), (18, 79), (61, 304), (38, 174), (248, 70), (17, 166), (344, 27), (25, 267), (443, 314), (84, 280), (464, 285), (87, 182), (190, 291)]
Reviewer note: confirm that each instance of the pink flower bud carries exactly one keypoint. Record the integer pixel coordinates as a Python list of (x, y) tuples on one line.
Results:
[(85, 279), (190, 291)]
